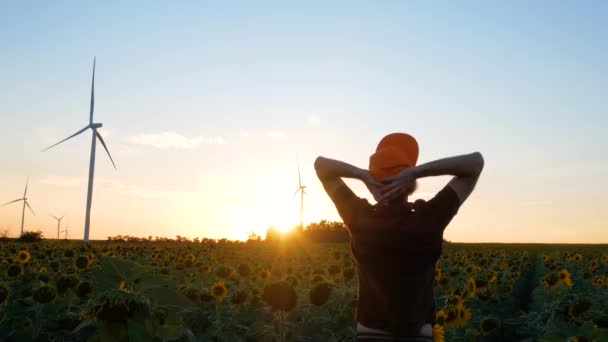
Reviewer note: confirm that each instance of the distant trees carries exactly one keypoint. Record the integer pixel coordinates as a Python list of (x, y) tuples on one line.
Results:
[(322, 231), (31, 236), (326, 231)]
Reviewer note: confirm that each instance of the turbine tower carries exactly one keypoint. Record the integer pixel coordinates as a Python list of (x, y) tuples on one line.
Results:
[(25, 204), (302, 193), (65, 231), (58, 223), (95, 136)]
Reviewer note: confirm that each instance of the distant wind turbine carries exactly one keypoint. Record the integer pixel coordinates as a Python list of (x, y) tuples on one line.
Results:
[(25, 203), (58, 223), (96, 135), (66, 232), (302, 193)]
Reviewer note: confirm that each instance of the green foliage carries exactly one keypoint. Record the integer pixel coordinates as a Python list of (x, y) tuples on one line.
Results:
[(161, 291)]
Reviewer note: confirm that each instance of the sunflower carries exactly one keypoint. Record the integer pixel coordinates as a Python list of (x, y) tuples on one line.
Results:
[(438, 333), (219, 290), (320, 293), (23, 257), (451, 319), (44, 294), (454, 301), (564, 276), (577, 258), (280, 295), (264, 274), (223, 272), (437, 273), (593, 265), (440, 317), (471, 288), (82, 263), (551, 280), (580, 308), (605, 258), (545, 257), (14, 271), (599, 281), (464, 315), (240, 297), (470, 269)]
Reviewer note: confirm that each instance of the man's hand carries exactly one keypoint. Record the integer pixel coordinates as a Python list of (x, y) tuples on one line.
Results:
[(372, 184), (398, 185)]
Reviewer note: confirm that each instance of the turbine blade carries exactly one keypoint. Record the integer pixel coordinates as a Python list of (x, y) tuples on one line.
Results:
[(92, 94), (30, 208), (17, 200), (26, 183), (105, 147), (70, 137), (299, 178), (53, 216), (295, 193)]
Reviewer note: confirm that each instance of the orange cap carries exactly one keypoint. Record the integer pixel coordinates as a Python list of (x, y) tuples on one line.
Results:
[(394, 153)]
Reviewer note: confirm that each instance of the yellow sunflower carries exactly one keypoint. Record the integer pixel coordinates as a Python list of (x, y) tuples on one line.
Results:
[(577, 258), (440, 317), (23, 256), (471, 288), (464, 315), (219, 291), (438, 333), (455, 301), (564, 276), (599, 281)]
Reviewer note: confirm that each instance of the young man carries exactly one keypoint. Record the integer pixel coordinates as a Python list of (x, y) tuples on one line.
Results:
[(396, 243)]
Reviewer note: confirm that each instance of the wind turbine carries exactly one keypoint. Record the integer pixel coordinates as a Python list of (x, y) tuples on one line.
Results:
[(66, 232), (25, 203), (302, 193), (58, 223), (95, 135)]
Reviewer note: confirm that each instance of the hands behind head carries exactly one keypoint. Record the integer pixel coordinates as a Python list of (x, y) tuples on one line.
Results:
[(387, 189)]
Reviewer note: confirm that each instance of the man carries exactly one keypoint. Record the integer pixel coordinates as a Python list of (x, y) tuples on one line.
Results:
[(395, 243)]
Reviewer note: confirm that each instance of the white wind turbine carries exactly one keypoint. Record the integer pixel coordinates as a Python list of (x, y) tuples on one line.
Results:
[(302, 193), (58, 223), (25, 204), (95, 135)]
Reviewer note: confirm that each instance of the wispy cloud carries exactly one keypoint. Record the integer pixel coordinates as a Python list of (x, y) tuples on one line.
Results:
[(116, 186), (174, 140), (277, 134)]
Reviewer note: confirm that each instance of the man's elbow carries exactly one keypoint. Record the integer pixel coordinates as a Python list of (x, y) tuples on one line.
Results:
[(479, 161), (320, 167)]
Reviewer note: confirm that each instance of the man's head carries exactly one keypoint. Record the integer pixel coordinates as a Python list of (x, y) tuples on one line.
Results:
[(394, 153)]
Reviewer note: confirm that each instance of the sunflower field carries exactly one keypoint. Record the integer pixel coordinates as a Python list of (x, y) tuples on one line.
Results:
[(260, 291)]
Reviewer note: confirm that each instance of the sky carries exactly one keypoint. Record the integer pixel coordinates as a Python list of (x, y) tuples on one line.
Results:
[(207, 107)]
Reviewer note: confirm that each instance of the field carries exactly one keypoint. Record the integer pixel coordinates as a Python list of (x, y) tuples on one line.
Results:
[(257, 291)]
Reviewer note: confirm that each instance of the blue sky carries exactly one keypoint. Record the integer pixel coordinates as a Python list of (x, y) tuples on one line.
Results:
[(205, 106)]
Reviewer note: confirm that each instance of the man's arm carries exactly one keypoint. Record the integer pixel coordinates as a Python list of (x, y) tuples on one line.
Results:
[(465, 169), (331, 172)]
